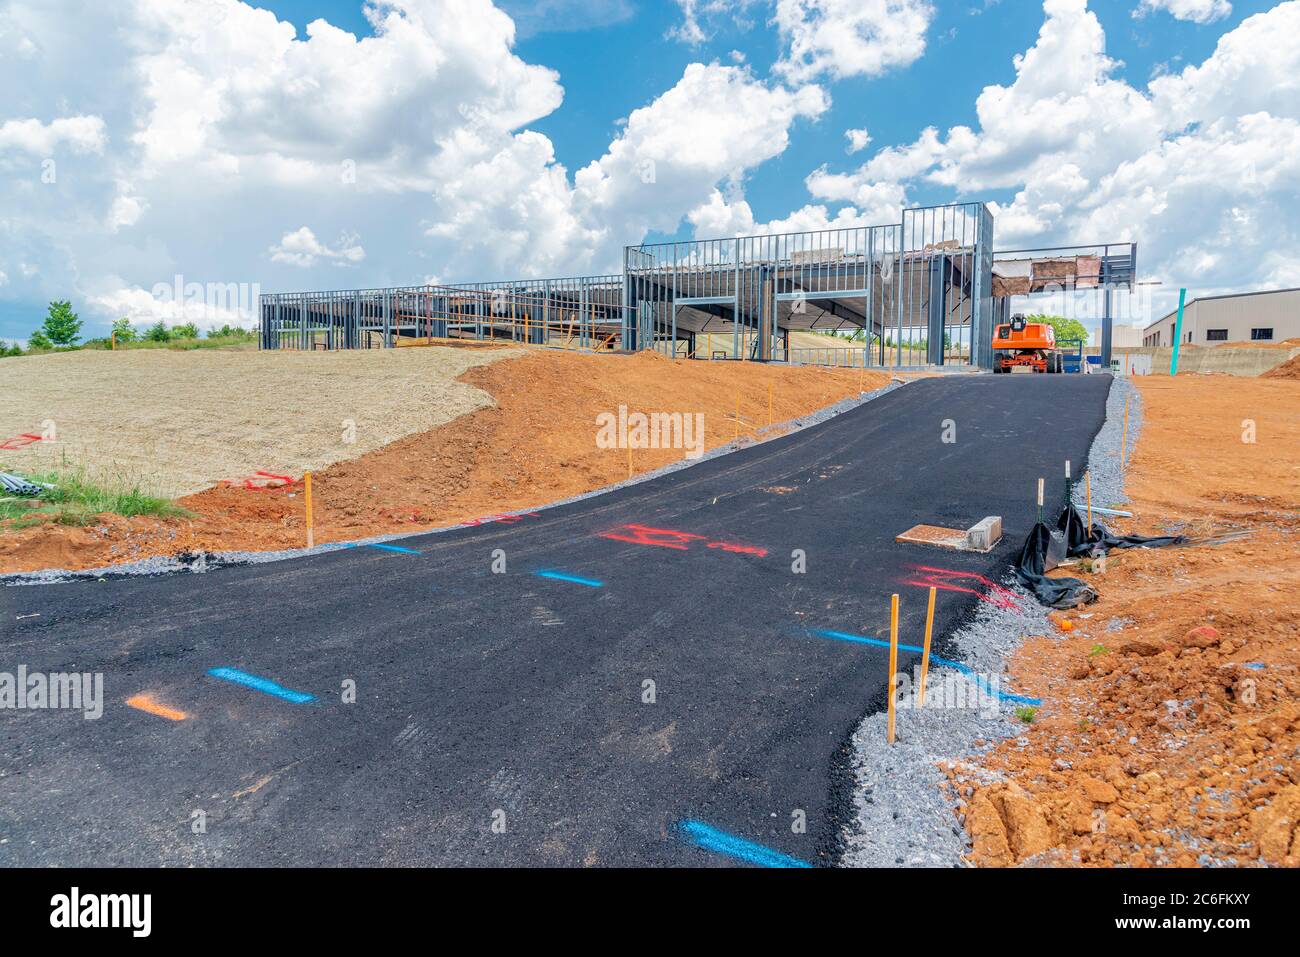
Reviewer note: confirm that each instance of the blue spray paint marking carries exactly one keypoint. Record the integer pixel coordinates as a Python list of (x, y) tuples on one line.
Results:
[(562, 577), (265, 685), (720, 842), (980, 681), (387, 548)]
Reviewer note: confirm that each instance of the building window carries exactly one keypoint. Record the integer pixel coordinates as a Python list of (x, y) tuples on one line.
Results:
[(1261, 334), (1220, 335)]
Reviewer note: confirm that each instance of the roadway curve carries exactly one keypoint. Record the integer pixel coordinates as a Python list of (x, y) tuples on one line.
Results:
[(480, 692)]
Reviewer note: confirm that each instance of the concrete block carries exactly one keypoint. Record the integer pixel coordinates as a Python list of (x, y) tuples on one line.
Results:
[(985, 533)]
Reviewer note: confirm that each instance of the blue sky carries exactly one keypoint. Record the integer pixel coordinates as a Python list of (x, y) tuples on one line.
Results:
[(207, 143), (609, 69)]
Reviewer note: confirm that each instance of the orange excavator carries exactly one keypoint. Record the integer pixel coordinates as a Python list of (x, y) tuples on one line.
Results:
[(1021, 346)]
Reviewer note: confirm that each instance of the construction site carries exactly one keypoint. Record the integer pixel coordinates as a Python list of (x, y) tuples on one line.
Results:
[(650, 564), (923, 293)]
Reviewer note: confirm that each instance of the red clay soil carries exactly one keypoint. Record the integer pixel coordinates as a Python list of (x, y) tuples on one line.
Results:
[(1287, 370), (536, 445), (1170, 730)]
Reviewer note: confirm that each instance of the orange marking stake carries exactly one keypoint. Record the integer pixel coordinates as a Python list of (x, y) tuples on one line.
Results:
[(925, 654), (142, 702), (1087, 481), (306, 481), (893, 659)]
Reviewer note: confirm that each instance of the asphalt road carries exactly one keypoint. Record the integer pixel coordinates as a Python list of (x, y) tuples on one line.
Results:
[(502, 719)]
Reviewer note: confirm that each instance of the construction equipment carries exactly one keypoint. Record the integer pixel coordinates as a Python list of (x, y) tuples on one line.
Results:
[(1021, 346)]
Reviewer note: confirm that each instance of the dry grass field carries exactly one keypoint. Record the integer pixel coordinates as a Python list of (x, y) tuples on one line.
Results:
[(173, 423)]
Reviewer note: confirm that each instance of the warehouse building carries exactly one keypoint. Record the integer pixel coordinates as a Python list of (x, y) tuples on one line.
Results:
[(1251, 317)]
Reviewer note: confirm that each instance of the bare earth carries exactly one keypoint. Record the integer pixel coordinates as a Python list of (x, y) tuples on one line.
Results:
[(1170, 730), (177, 422)]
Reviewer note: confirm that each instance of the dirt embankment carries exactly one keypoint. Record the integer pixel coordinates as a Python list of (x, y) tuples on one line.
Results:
[(1170, 731), (537, 444), (1287, 370)]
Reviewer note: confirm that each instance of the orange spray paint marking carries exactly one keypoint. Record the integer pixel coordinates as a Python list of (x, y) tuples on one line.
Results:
[(142, 702)]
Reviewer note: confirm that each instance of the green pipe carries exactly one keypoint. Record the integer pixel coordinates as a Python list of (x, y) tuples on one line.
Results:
[(1178, 332)]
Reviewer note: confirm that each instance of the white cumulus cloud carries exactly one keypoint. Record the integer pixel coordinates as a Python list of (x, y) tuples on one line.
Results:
[(302, 248), (1201, 167), (842, 38), (1197, 11), (197, 139)]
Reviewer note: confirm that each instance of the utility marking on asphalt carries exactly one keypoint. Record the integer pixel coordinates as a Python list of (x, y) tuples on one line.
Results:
[(142, 702), (944, 579), (265, 685), (671, 538), (980, 681), (385, 547), (720, 842), (562, 577)]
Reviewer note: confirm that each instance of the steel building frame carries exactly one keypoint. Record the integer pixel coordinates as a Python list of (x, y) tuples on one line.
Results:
[(583, 312), (1111, 267), (920, 290)]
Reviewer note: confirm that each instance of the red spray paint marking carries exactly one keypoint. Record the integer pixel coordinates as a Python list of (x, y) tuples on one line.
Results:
[(670, 538), (502, 518), (19, 442), (740, 549), (946, 579), (265, 479), (645, 535)]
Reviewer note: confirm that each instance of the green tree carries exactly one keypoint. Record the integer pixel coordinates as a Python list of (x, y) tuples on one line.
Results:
[(1063, 327), (38, 340), (61, 326), (123, 330), (186, 330), (158, 332)]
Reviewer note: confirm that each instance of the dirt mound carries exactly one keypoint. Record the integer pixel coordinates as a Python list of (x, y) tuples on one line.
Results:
[(536, 445), (1287, 370)]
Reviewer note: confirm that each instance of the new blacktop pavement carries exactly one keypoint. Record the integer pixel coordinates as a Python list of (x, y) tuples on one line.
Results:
[(648, 682)]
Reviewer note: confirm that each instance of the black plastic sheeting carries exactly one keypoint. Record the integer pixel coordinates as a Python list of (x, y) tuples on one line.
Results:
[(1073, 537), (1052, 592), (1084, 540)]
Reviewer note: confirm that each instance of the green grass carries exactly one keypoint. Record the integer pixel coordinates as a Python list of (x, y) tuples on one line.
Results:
[(218, 342), (246, 341), (1027, 713), (75, 500)]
